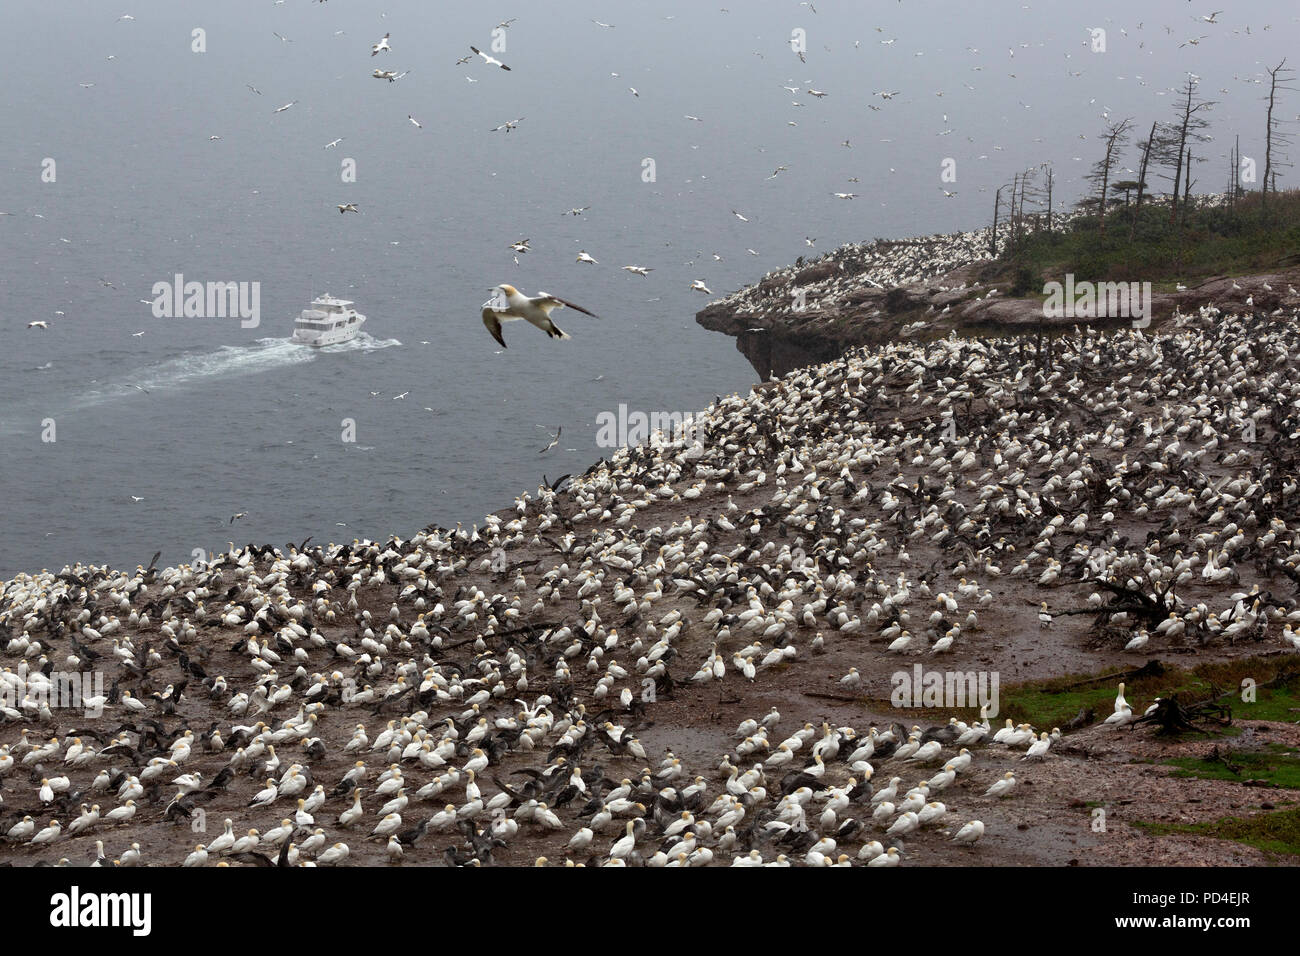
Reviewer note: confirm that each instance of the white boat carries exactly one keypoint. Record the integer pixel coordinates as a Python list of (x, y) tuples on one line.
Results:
[(329, 321)]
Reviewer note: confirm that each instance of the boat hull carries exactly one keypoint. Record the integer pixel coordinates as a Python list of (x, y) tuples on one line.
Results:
[(328, 337)]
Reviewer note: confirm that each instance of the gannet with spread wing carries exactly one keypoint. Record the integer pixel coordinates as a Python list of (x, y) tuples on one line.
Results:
[(508, 303)]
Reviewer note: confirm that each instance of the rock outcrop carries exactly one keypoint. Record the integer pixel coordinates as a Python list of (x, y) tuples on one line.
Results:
[(878, 292)]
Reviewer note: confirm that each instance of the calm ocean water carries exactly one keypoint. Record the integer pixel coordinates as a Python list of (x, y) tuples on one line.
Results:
[(201, 418)]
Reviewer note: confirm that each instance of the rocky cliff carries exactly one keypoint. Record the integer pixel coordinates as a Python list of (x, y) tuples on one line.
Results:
[(882, 291)]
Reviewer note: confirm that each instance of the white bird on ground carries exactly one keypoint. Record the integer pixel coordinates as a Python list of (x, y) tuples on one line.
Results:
[(1038, 748), (1138, 641), (889, 858), (1002, 787), (970, 833), (335, 854), (904, 824), (1121, 717)]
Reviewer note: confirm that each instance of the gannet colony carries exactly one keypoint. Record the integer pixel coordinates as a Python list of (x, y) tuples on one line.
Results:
[(682, 657)]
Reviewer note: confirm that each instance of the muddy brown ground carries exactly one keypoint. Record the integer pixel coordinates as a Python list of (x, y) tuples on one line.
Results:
[(1047, 821)]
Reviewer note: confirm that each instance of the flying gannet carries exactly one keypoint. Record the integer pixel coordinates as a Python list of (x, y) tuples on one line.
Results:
[(508, 303)]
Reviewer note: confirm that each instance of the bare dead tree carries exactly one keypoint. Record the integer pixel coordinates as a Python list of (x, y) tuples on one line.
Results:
[(1188, 126), (1280, 77), (1115, 138), (1049, 196), (993, 236), (1147, 146)]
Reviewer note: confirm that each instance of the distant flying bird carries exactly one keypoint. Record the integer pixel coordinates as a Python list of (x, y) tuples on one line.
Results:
[(508, 304), (284, 107), (39, 324), (846, 195), (490, 61), (414, 121), (282, 38), (578, 211), (699, 286), (639, 270), (382, 46), (739, 216), (235, 517), (347, 207), (583, 257), (817, 93), (504, 24), (555, 440), (886, 95), (254, 89), (333, 144), (507, 126), (607, 26)]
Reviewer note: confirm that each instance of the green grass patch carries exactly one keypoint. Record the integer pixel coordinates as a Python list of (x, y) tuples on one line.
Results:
[(1054, 702), (1277, 833), (1277, 765), (1222, 240)]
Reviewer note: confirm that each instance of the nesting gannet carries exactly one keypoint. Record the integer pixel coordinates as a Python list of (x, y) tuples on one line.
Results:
[(889, 858), (1001, 788), (1038, 748), (1121, 717), (535, 309)]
